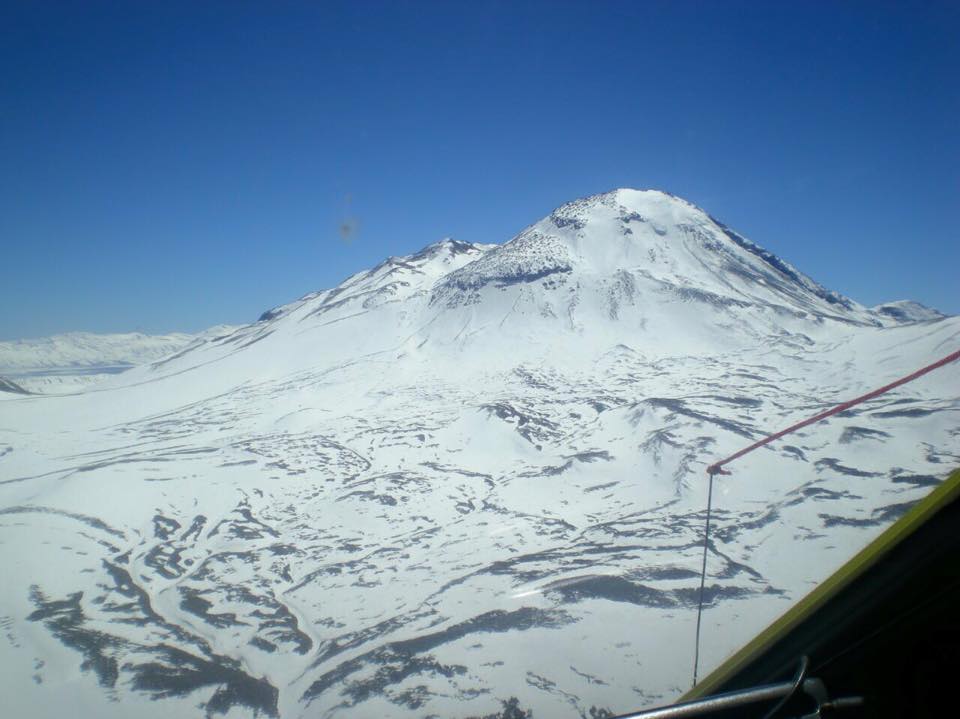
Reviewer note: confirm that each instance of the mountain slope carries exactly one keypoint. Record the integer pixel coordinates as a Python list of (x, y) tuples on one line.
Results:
[(466, 475)]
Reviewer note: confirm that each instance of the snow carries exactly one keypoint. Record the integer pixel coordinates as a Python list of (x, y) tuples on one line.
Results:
[(465, 475)]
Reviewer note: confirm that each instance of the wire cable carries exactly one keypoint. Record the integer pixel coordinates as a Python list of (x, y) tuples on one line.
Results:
[(703, 579), (797, 681), (717, 467)]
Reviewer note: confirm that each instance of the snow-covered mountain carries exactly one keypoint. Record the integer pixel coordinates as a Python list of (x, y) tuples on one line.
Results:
[(472, 474), (908, 311), (76, 359)]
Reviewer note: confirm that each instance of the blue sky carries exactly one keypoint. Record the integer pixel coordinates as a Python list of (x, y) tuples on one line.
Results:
[(169, 166)]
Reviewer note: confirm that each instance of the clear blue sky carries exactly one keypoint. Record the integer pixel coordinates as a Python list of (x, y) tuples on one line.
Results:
[(168, 166)]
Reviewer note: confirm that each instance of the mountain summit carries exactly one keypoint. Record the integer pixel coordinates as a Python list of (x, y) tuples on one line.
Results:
[(637, 266), (645, 246)]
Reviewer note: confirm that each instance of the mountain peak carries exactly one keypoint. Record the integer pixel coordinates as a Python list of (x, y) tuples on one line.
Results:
[(626, 263), (624, 202), (447, 247)]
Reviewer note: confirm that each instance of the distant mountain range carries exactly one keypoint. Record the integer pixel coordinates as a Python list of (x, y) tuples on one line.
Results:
[(464, 480), (75, 359)]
